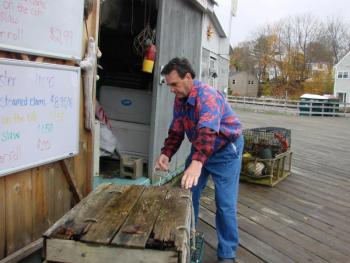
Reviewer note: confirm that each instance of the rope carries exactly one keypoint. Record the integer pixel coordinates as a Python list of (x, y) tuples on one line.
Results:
[(193, 227)]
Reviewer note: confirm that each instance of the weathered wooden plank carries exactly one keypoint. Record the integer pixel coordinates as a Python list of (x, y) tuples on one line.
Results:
[(78, 252), (294, 202), (59, 197), (323, 237), (304, 250), (272, 207), (174, 218), (265, 231), (262, 250), (210, 237), (19, 217), (327, 174), (209, 254), (81, 165), (86, 209), (317, 195), (24, 252), (40, 203), (110, 218), (137, 228), (313, 176), (2, 219)]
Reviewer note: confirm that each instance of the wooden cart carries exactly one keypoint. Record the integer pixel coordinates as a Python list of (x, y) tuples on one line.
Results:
[(124, 224)]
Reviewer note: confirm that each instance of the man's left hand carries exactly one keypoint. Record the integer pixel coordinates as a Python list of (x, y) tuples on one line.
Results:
[(191, 174)]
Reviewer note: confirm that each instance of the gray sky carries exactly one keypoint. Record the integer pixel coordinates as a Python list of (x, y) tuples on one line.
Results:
[(253, 13)]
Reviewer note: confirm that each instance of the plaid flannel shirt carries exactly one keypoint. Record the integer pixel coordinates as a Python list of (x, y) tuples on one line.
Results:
[(207, 119)]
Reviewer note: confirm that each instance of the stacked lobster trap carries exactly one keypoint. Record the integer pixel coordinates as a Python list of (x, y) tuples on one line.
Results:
[(267, 155)]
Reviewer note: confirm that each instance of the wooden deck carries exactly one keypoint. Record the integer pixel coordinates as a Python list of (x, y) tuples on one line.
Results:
[(306, 217)]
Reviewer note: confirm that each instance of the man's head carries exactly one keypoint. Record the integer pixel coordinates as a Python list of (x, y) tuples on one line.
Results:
[(179, 76)]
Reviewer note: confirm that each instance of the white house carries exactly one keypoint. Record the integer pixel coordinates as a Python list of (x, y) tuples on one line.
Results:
[(216, 28), (342, 79)]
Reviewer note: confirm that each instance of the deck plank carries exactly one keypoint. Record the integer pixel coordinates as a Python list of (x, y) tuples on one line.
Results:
[(309, 211), (272, 233), (255, 246), (210, 237), (272, 207)]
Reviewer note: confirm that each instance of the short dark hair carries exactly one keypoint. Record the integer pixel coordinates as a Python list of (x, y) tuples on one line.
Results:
[(181, 65)]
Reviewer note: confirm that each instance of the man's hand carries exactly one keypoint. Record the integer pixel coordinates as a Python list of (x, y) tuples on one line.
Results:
[(162, 163), (191, 175)]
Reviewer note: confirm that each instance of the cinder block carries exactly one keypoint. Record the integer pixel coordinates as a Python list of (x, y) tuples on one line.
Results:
[(131, 167)]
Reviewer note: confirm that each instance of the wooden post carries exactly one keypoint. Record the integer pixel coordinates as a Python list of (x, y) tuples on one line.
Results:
[(71, 182), (310, 108), (24, 252)]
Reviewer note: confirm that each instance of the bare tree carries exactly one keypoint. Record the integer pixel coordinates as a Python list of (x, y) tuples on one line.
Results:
[(307, 30), (337, 36)]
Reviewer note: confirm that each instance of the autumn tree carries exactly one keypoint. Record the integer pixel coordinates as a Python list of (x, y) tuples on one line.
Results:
[(336, 34), (282, 54)]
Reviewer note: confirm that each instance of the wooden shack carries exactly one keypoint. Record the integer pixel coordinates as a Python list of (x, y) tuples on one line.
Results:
[(36, 196)]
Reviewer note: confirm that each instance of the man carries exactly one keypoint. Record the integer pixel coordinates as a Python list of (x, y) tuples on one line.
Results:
[(214, 131)]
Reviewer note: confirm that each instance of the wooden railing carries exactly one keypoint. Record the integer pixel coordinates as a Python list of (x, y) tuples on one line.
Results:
[(294, 107)]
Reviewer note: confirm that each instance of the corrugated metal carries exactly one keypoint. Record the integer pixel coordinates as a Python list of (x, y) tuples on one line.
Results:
[(223, 73), (205, 66), (179, 30)]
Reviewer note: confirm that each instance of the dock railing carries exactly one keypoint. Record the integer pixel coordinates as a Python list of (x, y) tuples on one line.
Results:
[(292, 107)]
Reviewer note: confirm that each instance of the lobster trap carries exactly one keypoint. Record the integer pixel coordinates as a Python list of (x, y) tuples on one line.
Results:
[(267, 156)]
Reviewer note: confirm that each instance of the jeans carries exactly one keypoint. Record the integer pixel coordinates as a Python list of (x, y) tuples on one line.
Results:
[(224, 166)]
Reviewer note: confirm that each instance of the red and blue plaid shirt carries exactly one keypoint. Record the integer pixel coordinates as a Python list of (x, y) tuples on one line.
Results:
[(207, 119)]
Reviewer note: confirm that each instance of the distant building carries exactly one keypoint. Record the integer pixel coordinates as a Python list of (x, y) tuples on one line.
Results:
[(342, 79), (318, 67), (216, 28), (273, 72), (243, 83)]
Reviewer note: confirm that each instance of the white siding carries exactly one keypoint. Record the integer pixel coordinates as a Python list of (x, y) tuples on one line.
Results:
[(342, 85)]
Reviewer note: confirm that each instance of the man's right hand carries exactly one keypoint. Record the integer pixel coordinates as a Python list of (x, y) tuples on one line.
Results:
[(162, 163)]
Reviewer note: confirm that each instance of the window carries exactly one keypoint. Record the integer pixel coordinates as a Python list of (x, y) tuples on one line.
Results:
[(248, 82), (252, 82), (233, 81), (343, 74)]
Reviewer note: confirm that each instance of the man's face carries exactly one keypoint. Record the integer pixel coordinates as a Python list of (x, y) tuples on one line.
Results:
[(180, 87)]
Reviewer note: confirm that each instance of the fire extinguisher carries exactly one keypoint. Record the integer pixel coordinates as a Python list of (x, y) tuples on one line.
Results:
[(149, 58)]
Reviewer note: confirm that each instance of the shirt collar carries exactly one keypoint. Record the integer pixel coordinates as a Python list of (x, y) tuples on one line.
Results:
[(193, 94)]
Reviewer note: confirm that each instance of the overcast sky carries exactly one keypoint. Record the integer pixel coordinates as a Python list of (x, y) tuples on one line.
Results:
[(253, 13)]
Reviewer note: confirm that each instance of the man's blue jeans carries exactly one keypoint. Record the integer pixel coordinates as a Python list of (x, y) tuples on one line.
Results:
[(224, 166)]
